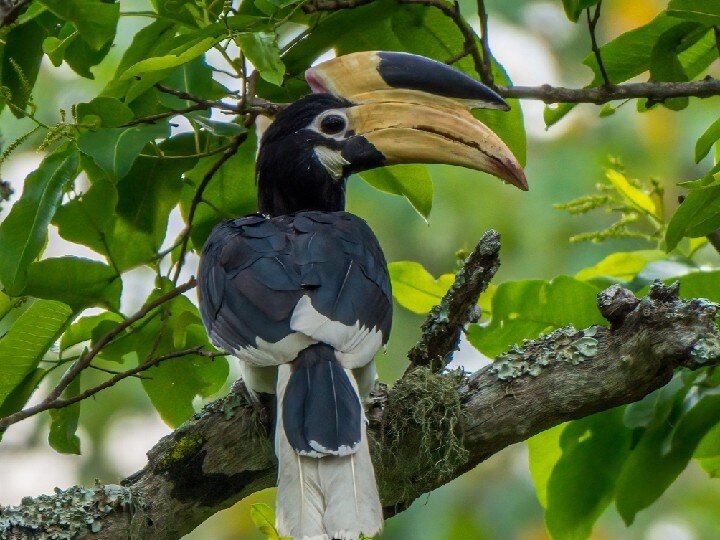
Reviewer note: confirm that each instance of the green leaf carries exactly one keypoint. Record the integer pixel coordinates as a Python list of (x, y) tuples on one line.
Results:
[(115, 149), (700, 285), (153, 37), (178, 11), (88, 219), (578, 490), (554, 113), (525, 309), (263, 516), (23, 48), (220, 129), (89, 328), (173, 385), (80, 283), (411, 181), (665, 63), (110, 111), (706, 140), (64, 423), (23, 232), (414, 288), (261, 48), (174, 58), (698, 215), (623, 266), (20, 395), (544, 452), (703, 11), (707, 453), (664, 451), (574, 8), (230, 193), (96, 21), (27, 341)]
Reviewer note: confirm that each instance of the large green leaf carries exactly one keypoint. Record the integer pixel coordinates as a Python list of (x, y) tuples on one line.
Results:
[(578, 490), (27, 341), (20, 395), (90, 328), (116, 149), (95, 20), (78, 282), (110, 112), (23, 51), (411, 181), (544, 452), (698, 215), (89, 219), (64, 423), (703, 11), (174, 58), (23, 232), (621, 266), (707, 453), (664, 450), (706, 140), (414, 288), (261, 48), (525, 309)]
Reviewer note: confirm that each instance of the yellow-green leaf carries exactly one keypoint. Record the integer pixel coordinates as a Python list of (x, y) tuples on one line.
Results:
[(415, 288), (623, 266), (633, 195), (263, 517), (175, 58)]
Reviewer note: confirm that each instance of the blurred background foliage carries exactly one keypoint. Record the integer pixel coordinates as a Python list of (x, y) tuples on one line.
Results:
[(536, 44)]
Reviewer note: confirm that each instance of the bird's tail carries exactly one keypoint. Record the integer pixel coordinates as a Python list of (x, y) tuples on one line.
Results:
[(326, 481)]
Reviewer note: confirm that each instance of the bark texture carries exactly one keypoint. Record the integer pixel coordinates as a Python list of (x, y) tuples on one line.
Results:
[(225, 452)]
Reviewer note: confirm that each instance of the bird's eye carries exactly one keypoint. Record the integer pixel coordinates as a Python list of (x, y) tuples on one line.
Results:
[(332, 124)]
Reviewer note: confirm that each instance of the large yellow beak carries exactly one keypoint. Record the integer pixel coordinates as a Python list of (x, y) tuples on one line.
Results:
[(416, 110)]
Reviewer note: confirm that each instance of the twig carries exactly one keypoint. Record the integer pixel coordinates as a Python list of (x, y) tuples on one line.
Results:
[(592, 24), (332, 5), (717, 37), (442, 328), (185, 234), (199, 351), (656, 91), (486, 73), (160, 116), (253, 106), (84, 361)]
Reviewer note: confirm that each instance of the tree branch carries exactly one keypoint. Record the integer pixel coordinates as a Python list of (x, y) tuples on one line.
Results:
[(445, 322), (225, 452), (10, 10), (655, 91), (592, 24), (486, 73)]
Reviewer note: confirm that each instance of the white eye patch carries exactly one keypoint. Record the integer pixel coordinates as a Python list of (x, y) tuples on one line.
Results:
[(332, 124), (332, 160)]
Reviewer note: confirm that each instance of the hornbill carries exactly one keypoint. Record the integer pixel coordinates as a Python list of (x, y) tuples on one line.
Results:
[(300, 293)]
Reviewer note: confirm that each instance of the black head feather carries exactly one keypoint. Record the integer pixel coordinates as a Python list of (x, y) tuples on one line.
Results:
[(290, 176)]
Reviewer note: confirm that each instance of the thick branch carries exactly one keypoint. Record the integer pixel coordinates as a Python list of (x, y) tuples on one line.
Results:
[(225, 453), (441, 330)]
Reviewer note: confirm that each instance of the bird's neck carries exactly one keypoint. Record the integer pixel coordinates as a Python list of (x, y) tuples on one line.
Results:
[(288, 190)]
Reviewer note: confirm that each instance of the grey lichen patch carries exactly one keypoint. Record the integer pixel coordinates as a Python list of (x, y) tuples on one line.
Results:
[(422, 439), (563, 345), (185, 448), (705, 350), (69, 514)]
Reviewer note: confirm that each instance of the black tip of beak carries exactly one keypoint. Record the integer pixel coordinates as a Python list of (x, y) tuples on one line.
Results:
[(413, 72)]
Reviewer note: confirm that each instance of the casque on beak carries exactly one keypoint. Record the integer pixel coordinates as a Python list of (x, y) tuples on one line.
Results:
[(416, 110)]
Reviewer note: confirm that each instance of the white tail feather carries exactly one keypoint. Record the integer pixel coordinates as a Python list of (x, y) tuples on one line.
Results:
[(333, 497)]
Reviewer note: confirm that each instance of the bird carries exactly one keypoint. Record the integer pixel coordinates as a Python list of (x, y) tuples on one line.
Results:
[(299, 291)]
